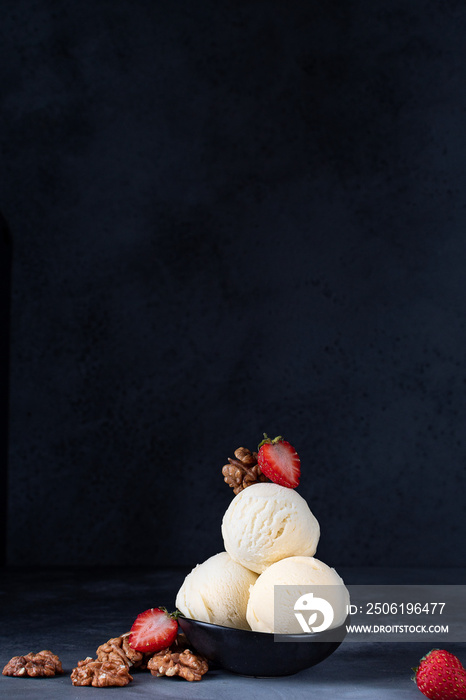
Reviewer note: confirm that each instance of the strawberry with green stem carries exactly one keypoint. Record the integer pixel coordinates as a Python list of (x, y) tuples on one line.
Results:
[(153, 630), (279, 461)]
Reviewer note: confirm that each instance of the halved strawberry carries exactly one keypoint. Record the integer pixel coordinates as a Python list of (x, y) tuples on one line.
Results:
[(279, 461), (153, 629)]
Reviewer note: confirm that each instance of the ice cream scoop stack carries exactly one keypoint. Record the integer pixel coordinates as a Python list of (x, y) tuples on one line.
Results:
[(270, 537)]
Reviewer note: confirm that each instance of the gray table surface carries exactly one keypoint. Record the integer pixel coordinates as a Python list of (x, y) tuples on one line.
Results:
[(71, 612)]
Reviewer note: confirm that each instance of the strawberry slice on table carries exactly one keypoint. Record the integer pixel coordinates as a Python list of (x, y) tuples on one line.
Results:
[(441, 676), (153, 629), (279, 461)]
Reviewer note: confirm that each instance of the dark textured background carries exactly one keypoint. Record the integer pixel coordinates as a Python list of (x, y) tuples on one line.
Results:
[(230, 218)]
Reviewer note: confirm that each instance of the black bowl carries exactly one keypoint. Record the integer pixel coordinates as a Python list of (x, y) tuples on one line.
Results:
[(260, 654)]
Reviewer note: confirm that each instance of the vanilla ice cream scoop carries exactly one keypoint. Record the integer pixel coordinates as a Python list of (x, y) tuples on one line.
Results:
[(217, 591), (267, 522), (272, 609)]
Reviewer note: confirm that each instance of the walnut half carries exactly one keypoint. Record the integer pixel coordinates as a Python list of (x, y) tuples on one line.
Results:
[(100, 674), (186, 664), (43, 664), (242, 470), (119, 651)]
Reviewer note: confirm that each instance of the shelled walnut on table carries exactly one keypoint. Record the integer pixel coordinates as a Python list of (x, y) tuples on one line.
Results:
[(41, 665), (186, 664), (100, 674)]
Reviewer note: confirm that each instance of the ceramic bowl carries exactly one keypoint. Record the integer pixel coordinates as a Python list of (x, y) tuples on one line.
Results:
[(258, 653)]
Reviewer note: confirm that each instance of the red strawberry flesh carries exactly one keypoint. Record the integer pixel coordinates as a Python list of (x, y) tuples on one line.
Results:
[(279, 462), (152, 630)]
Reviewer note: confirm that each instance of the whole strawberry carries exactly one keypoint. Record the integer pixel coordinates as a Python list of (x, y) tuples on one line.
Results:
[(441, 676), (279, 461)]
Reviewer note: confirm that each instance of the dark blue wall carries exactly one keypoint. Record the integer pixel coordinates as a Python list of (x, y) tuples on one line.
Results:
[(231, 218), (5, 323)]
